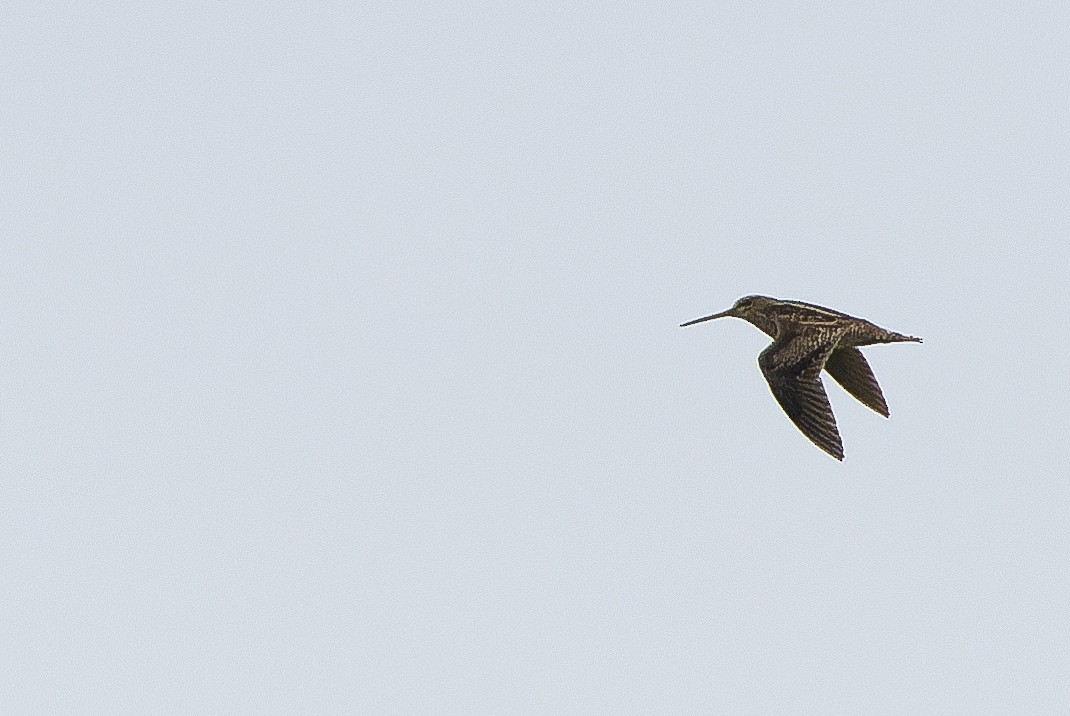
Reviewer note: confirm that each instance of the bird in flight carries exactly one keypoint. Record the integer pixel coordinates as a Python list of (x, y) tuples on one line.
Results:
[(807, 339)]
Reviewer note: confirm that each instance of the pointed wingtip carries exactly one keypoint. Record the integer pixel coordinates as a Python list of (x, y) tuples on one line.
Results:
[(835, 451), (832, 449)]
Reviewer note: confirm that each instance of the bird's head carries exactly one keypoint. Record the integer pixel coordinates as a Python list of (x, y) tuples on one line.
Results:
[(744, 308)]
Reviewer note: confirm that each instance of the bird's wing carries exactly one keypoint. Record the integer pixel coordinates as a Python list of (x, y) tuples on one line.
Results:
[(792, 367), (850, 369)]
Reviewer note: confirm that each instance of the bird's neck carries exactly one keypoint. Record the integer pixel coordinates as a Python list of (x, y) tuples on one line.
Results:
[(765, 324)]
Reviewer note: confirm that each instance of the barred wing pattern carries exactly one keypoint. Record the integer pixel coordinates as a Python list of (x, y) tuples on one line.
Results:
[(851, 370), (792, 366)]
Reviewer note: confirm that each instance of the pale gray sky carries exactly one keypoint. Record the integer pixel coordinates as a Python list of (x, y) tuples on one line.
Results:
[(342, 371)]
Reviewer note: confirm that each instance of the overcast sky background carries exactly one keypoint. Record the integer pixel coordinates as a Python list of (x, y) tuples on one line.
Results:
[(342, 371)]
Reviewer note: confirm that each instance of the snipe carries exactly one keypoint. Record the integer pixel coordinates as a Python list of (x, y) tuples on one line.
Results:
[(807, 339)]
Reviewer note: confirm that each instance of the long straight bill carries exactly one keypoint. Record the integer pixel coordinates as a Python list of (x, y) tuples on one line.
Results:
[(722, 314)]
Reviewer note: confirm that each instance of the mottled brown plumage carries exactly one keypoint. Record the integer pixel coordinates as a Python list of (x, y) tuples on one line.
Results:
[(807, 339)]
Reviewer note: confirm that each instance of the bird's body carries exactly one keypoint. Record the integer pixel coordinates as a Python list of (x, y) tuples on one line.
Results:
[(807, 339)]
